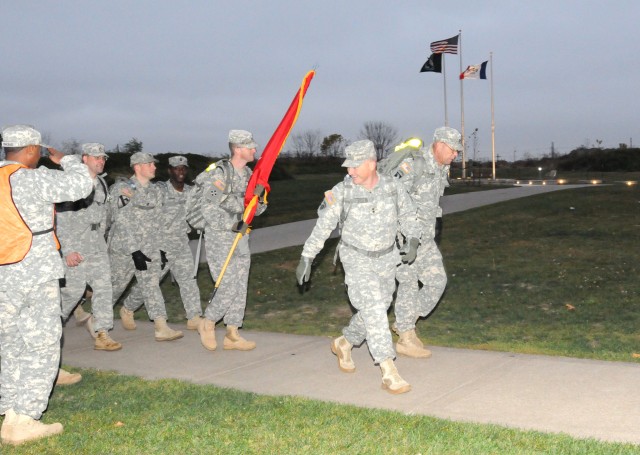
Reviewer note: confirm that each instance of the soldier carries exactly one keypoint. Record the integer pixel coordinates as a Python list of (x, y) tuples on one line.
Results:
[(222, 208), (134, 243), (175, 248), (81, 227), (30, 325), (425, 178), (370, 209)]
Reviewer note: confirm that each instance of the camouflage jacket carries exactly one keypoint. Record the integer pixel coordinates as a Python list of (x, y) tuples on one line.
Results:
[(371, 218), (175, 226), (425, 180), (82, 224), (136, 221), (35, 191)]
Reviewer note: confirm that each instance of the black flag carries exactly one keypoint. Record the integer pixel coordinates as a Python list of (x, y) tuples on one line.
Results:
[(433, 65)]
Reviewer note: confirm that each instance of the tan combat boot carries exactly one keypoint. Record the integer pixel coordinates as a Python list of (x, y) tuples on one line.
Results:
[(18, 428), (126, 316), (233, 340), (410, 345), (193, 323), (342, 349), (66, 378), (207, 331), (391, 380), (105, 343), (164, 332)]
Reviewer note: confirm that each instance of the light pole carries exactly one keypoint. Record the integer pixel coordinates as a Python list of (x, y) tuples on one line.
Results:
[(539, 173)]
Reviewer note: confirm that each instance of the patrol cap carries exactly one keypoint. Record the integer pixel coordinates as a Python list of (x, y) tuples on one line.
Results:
[(358, 152), (93, 149), (449, 136), (142, 158), (178, 160), (21, 136), (242, 138)]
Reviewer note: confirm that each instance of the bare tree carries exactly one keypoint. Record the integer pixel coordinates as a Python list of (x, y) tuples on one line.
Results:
[(383, 136), (333, 145), (307, 143)]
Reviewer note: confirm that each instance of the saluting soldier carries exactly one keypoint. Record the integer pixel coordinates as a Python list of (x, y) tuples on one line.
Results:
[(30, 267), (81, 228)]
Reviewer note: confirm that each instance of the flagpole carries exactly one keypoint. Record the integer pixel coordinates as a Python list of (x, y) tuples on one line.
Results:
[(464, 147), (444, 78), (493, 124)]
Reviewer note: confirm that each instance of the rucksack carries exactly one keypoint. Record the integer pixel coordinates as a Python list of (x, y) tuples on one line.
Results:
[(193, 205), (16, 236), (390, 165)]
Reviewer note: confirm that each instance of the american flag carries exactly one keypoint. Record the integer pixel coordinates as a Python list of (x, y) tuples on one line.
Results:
[(446, 46)]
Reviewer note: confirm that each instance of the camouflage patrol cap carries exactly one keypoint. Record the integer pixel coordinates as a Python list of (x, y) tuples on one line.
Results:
[(178, 160), (449, 136), (142, 158), (93, 149), (358, 152), (21, 136), (242, 138)]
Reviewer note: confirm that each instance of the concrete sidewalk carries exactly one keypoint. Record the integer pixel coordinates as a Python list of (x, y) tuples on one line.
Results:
[(582, 398)]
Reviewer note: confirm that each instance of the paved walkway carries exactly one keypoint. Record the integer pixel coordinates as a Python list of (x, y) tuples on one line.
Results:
[(583, 398)]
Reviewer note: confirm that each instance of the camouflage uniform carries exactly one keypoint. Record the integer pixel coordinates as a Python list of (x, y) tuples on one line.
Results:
[(368, 253), (135, 227), (175, 243), (81, 229), (30, 325), (425, 180), (222, 210)]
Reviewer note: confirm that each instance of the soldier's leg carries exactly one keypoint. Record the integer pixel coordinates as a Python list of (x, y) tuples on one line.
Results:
[(122, 270), (99, 278), (225, 294), (134, 299), (30, 331), (370, 283), (181, 263), (406, 304), (433, 278), (149, 283), (72, 288)]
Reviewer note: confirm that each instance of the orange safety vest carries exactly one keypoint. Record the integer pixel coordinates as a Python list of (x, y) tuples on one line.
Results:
[(16, 236)]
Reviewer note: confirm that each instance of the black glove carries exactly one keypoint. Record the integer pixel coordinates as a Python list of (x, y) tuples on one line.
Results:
[(163, 259), (438, 234), (140, 260), (240, 226)]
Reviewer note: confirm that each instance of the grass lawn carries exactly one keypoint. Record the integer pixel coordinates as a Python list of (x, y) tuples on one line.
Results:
[(111, 414)]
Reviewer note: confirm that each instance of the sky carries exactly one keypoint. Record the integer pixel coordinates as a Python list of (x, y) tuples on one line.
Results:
[(178, 75)]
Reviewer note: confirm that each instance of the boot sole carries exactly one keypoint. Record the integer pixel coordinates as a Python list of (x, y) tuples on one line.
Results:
[(336, 351), (230, 347), (107, 349), (403, 389), (401, 352), (170, 338)]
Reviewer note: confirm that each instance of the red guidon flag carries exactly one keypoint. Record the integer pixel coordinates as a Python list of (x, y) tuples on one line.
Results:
[(262, 170)]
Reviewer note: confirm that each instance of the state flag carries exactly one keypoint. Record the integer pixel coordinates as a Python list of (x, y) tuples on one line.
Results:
[(475, 71)]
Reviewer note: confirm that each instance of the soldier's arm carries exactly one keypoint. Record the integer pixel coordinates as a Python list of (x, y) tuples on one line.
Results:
[(328, 218)]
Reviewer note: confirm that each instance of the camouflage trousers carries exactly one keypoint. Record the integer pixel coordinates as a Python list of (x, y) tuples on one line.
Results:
[(180, 265), (146, 291), (370, 285), (231, 298), (413, 301), (95, 271), (30, 331)]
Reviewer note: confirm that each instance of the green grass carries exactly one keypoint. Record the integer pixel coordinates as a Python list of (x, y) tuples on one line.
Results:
[(111, 414), (550, 274)]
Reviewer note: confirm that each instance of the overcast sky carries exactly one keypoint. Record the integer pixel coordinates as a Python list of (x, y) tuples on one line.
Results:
[(177, 75)]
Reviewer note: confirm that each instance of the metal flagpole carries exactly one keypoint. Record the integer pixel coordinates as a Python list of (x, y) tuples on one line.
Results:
[(444, 78), (464, 146), (493, 124)]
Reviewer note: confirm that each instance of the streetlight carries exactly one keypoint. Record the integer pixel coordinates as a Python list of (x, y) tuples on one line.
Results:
[(540, 173)]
